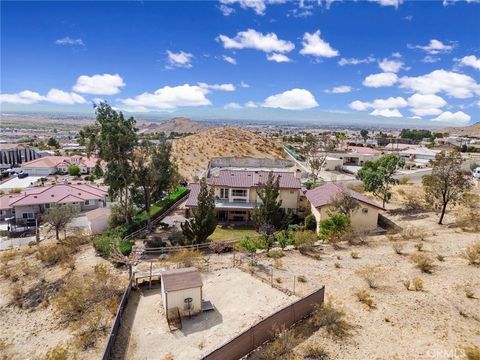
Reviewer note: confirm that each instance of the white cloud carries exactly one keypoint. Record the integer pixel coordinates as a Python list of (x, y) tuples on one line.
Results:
[(451, 2), (251, 39), (244, 84), (258, 6), (359, 105), (226, 10), (233, 106), (316, 46), (356, 61), (218, 87), (169, 97), (380, 80), (279, 58), (69, 41), (387, 113), (424, 105), (470, 60), (342, 89), (295, 99), (390, 66), (106, 84), (459, 117), (251, 104), (394, 3), (180, 59), (430, 59), (453, 84), (434, 47), (55, 96), (229, 59)]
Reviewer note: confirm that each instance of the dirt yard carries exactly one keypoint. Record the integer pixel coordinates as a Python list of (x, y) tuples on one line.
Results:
[(239, 300)]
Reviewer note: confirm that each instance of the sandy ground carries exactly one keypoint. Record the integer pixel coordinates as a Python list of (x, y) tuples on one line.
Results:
[(239, 300)]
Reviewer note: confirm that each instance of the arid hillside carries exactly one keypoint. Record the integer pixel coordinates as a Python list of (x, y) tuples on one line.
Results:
[(472, 130), (192, 153), (177, 124)]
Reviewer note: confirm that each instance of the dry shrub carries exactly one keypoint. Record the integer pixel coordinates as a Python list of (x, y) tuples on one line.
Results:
[(404, 180), (468, 220), (356, 187), (301, 279), (278, 264), (398, 247), (40, 293), (332, 320), (372, 275), (419, 246), (413, 202), (472, 253), (17, 294), (7, 256), (316, 352), (51, 255), (275, 253), (278, 280), (281, 347), (337, 265), (219, 247), (440, 257), (354, 255), (186, 257), (472, 352), (365, 298), (58, 352), (168, 356), (423, 262), (92, 328), (413, 233), (469, 293), (417, 284)]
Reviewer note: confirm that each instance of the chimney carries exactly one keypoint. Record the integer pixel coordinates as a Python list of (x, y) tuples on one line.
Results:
[(298, 174), (256, 178)]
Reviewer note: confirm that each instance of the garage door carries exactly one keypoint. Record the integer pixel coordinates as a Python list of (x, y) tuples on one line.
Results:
[(38, 171)]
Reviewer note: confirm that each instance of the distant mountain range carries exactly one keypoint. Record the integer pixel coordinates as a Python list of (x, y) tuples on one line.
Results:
[(472, 130), (177, 124)]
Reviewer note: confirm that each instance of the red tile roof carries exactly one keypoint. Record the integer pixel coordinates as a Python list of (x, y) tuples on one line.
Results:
[(324, 195), (249, 179), (54, 161)]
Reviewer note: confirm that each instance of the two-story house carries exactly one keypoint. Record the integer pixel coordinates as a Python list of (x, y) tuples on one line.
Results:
[(236, 193)]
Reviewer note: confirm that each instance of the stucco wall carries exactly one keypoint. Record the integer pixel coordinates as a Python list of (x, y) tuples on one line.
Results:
[(360, 220)]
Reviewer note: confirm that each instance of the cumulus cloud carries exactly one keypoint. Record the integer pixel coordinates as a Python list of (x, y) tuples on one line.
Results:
[(430, 59), (339, 89), (218, 87), (180, 59), (387, 113), (168, 98), (69, 41), (251, 104), (434, 47), (356, 61), (54, 96), (453, 84), (295, 99), (471, 61), (424, 105), (280, 58), (458, 117), (106, 84), (394, 3), (381, 107), (252, 39), (244, 84), (380, 80), (316, 46), (258, 6), (390, 66), (232, 106), (229, 59)]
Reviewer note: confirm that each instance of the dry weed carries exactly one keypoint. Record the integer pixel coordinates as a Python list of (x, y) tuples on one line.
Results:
[(365, 298), (332, 320), (424, 263), (472, 253), (372, 275)]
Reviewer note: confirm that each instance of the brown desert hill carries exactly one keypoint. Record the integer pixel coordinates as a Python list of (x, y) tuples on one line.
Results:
[(192, 153), (472, 130), (177, 124)]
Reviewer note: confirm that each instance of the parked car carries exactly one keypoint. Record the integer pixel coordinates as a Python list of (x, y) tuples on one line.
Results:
[(22, 175)]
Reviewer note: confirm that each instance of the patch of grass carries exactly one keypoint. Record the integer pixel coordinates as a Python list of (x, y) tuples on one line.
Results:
[(332, 320), (365, 298), (225, 233), (472, 254), (413, 233), (424, 263), (94, 327), (186, 257)]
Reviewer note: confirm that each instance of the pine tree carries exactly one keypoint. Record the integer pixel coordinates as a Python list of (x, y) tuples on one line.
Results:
[(203, 223)]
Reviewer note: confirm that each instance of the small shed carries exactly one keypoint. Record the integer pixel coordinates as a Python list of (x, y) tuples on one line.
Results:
[(182, 289)]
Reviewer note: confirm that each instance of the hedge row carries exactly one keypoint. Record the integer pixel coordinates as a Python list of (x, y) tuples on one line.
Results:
[(104, 243)]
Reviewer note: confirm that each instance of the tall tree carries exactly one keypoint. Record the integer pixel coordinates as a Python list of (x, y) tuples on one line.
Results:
[(269, 212), (153, 172), (113, 138), (447, 183), (364, 134), (345, 204), (203, 223), (315, 154), (377, 175), (59, 216)]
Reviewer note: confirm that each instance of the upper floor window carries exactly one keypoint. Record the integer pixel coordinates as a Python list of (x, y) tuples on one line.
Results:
[(239, 192), (223, 193)]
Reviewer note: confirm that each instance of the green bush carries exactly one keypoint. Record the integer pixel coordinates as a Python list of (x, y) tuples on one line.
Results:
[(334, 227), (310, 223)]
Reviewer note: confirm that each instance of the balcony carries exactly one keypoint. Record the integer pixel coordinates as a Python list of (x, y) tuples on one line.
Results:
[(225, 204)]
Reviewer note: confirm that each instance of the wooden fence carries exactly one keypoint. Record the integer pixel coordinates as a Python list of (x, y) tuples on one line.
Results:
[(118, 320), (263, 331)]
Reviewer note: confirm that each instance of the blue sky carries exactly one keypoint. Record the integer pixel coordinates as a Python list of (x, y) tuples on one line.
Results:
[(386, 58)]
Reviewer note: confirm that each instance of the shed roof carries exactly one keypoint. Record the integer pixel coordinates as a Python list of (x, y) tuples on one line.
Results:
[(180, 279)]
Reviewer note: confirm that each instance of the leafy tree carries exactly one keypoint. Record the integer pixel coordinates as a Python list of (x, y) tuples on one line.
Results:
[(251, 246), (203, 223), (153, 172), (285, 237), (448, 182), (364, 134), (415, 134), (269, 212), (315, 154), (59, 216), (334, 227), (310, 222), (345, 204), (113, 138), (74, 170), (377, 175), (52, 142)]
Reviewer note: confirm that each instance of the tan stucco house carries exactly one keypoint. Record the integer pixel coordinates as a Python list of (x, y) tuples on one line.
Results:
[(365, 218)]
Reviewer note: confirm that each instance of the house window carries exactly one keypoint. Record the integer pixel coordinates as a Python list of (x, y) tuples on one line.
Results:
[(365, 210), (292, 191), (47, 206), (223, 193), (28, 216), (239, 200), (239, 192), (88, 202)]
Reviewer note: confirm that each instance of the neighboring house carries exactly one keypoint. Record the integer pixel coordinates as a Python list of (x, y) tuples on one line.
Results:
[(356, 155), (182, 290), (236, 193), (98, 220), (50, 165), (33, 201), (420, 154), (365, 218), (332, 163), (13, 155)]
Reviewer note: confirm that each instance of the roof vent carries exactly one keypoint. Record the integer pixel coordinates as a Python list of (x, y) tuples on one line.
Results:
[(52, 195), (35, 196)]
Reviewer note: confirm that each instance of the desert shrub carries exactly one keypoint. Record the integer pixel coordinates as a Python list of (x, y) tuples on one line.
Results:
[(58, 352), (337, 265), (18, 293), (404, 180), (52, 255), (276, 253), (301, 279), (281, 347), (106, 244), (413, 233), (94, 327), (398, 247), (278, 264), (417, 284), (419, 246), (412, 201), (278, 280), (423, 262), (314, 352), (186, 257), (219, 247), (371, 274), (467, 219), (285, 237), (472, 352), (155, 242), (440, 257), (469, 293), (356, 187), (332, 320), (472, 253), (7, 256), (304, 240), (334, 227), (310, 222), (365, 298), (354, 255)]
